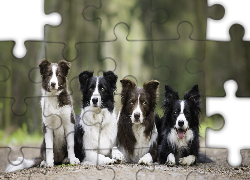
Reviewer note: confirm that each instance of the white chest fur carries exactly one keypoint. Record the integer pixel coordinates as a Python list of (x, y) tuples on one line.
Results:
[(100, 126), (175, 141), (143, 143)]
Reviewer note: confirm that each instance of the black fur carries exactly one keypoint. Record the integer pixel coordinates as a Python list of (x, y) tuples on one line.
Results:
[(79, 132), (87, 86), (192, 110), (107, 81)]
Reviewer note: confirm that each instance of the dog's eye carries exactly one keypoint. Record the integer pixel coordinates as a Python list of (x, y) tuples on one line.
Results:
[(131, 102), (103, 89), (90, 89), (175, 113), (187, 113), (144, 103)]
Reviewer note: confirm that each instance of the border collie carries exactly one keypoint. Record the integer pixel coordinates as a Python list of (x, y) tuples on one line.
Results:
[(179, 128), (58, 119), (97, 123), (137, 133)]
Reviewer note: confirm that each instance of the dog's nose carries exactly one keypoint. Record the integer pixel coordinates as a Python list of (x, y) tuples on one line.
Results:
[(137, 115), (95, 100), (180, 123), (53, 84)]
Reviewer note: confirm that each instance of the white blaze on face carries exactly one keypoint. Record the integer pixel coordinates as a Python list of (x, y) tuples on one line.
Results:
[(96, 95), (182, 117), (53, 79), (137, 110)]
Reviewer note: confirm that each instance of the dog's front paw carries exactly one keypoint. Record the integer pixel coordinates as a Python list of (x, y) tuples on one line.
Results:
[(107, 161), (118, 157), (43, 164), (189, 160), (46, 164), (170, 160), (146, 160), (74, 160)]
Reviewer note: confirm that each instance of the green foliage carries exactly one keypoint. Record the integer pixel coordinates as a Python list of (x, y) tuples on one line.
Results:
[(67, 165), (20, 137)]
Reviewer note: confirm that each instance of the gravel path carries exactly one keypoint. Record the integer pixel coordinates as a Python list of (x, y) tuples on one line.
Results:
[(217, 170)]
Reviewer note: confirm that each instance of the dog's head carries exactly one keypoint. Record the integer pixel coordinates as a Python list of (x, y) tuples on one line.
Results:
[(138, 102), (54, 76), (182, 114), (98, 92)]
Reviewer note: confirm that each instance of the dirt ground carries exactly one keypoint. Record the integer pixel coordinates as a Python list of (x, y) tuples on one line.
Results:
[(219, 169)]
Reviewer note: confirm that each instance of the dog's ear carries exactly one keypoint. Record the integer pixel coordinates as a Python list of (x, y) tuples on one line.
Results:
[(83, 77), (127, 84), (193, 95), (43, 64), (151, 87), (170, 96), (64, 66), (112, 78)]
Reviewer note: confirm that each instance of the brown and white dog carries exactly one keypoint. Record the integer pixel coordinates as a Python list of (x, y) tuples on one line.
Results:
[(58, 119), (137, 133)]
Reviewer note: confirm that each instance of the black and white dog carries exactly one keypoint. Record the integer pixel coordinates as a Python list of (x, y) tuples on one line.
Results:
[(137, 133), (179, 128), (58, 119), (96, 128)]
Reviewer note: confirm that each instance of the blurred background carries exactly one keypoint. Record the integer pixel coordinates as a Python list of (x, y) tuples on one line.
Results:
[(117, 35)]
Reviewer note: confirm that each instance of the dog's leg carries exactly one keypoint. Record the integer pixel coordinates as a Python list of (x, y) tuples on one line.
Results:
[(146, 159), (70, 144), (49, 148), (91, 156), (170, 160), (117, 156), (189, 160)]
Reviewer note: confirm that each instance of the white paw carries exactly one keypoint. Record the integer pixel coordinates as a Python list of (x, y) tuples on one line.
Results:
[(118, 157), (170, 160), (43, 164), (74, 160), (189, 160), (107, 161), (46, 164), (146, 159)]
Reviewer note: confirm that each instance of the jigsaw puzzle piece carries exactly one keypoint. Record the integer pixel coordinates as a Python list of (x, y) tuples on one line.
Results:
[(220, 169), (73, 29), (219, 66), (230, 107), (90, 57), (26, 24), (140, 19), (174, 54), (236, 11), (134, 57), (16, 76), (194, 11)]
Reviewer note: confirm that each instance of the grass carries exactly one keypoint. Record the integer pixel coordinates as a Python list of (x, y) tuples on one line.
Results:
[(20, 137)]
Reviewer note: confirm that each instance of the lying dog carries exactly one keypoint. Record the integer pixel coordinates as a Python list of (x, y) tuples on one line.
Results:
[(179, 128), (58, 119), (137, 133), (97, 126)]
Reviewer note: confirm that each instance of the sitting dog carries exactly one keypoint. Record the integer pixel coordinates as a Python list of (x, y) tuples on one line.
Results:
[(58, 119), (137, 133), (179, 128), (96, 128)]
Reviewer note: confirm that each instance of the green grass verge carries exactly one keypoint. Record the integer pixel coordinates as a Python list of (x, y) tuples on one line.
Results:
[(20, 137)]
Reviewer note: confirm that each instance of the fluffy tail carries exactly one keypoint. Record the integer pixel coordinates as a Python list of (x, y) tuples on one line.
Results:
[(22, 164), (78, 148), (204, 159)]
